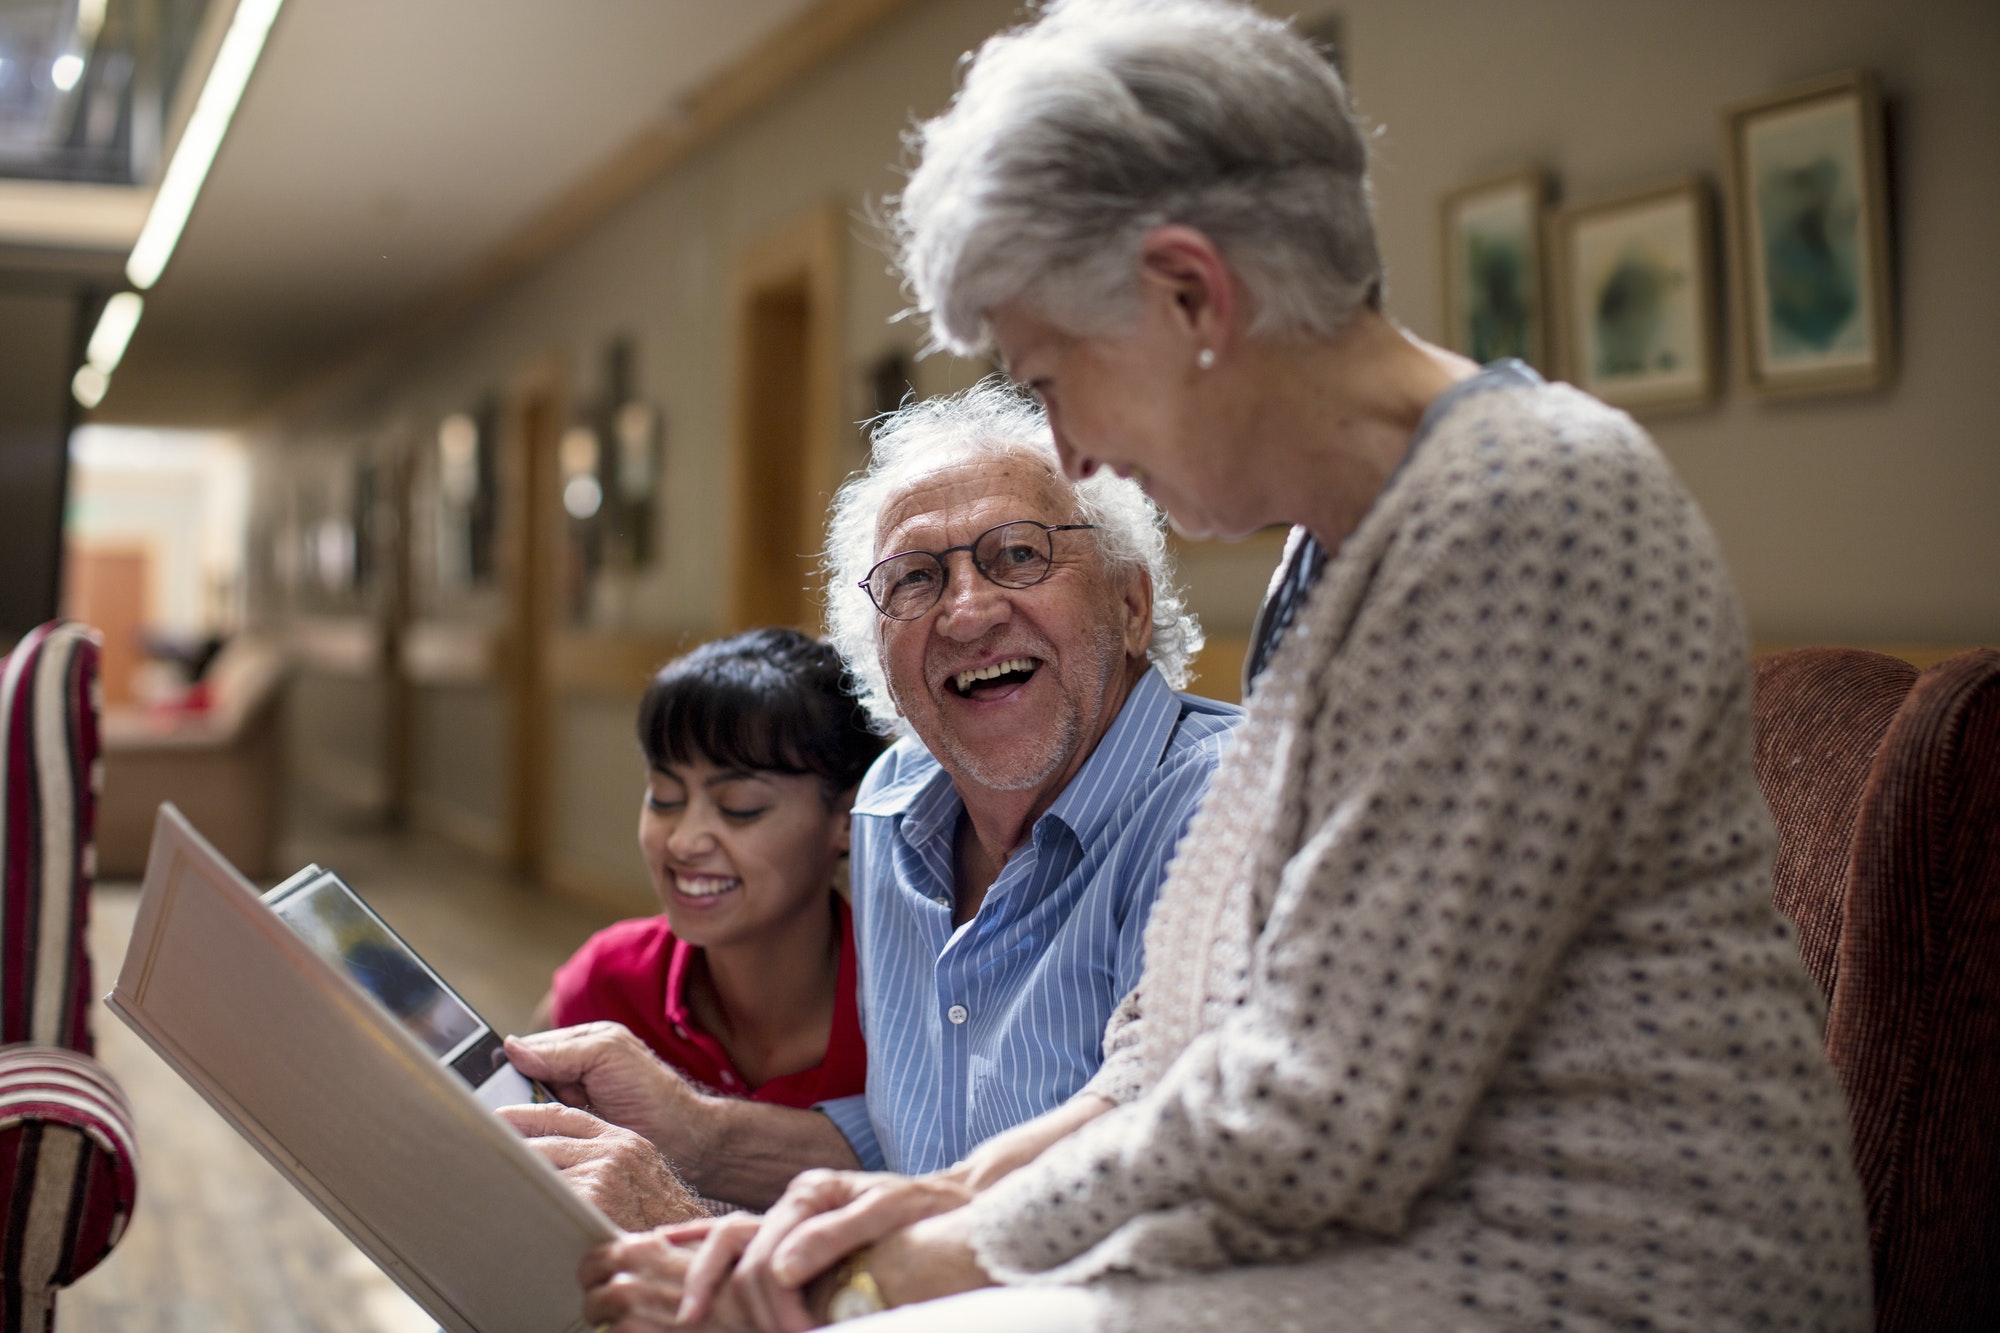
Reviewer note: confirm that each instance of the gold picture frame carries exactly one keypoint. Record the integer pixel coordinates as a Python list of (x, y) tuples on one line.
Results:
[(1809, 237), (1494, 245), (1635, 297)]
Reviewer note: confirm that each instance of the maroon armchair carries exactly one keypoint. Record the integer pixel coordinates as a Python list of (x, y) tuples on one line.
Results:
[(68, 1162), (1885, 784)]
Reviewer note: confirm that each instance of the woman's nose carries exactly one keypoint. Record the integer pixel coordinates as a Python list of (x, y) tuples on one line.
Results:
[(690, 835)]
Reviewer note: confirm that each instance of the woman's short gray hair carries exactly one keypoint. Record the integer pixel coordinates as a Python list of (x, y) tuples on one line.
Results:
[(1075, 136), (988, 420)]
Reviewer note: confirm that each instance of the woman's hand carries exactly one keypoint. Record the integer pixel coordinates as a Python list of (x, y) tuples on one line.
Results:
[(928, 1260), (824, 1216), (633, 1284)]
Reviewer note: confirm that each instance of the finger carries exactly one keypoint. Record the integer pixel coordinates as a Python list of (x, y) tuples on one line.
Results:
[(695, 1230), (713, 1263), (598, 1265), (810, 1194), (549, 1120), (562, 1054), (774, 1309), (627, 1302), (820, 1241), (775, 1304)]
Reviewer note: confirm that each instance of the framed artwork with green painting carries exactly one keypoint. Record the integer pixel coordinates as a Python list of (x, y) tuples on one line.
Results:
[(1493, 284), (1809, 237), (1635, 296)]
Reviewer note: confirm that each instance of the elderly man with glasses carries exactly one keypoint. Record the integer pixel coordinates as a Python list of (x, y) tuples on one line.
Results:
[(1025, 636)]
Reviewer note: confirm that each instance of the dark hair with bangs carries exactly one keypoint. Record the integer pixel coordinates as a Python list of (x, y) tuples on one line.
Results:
[(770, 699)]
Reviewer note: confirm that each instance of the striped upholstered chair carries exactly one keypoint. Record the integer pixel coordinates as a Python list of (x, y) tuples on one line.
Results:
[(67, 1156)]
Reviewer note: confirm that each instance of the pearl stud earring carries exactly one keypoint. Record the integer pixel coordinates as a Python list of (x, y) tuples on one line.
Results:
[(1205, 358)]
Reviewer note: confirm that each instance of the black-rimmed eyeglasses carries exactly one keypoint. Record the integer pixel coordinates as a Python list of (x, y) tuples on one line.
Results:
[(1014, 555)]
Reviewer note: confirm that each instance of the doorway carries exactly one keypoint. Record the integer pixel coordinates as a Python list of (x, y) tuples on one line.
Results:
[(785, 311)]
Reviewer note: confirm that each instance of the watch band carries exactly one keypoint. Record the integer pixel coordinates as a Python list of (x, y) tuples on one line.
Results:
[(855, 1291)]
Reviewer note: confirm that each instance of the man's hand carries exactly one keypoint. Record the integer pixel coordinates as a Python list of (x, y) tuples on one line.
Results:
[(615, 1169), (606, 1070), (824, 1216)]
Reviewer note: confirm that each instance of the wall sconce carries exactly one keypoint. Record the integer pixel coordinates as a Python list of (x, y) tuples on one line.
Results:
[(578, 454)]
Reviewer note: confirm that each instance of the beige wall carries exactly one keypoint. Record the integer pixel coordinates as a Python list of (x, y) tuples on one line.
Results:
[(1866, 518)]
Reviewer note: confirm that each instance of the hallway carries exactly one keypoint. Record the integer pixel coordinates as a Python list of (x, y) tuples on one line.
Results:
[(220, 1242)]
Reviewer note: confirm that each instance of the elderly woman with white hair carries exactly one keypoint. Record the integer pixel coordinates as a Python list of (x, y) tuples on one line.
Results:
[(1464, 1003)]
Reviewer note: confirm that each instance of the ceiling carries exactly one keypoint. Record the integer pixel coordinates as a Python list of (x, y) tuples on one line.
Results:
[(382, 150)]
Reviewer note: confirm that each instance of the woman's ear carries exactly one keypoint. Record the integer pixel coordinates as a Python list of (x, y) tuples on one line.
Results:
[(1188, 268)]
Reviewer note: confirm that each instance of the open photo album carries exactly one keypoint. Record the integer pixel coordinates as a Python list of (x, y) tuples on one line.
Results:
[(362, 1077)]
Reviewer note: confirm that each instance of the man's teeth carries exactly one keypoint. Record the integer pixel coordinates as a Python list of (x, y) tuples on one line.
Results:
[(705, 886), (966, 679)]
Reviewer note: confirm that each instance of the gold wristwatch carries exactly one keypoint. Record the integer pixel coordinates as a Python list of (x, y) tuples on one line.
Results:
[(855, 1292)]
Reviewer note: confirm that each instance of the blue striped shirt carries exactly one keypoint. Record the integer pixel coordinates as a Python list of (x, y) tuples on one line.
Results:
[(973, 1031)]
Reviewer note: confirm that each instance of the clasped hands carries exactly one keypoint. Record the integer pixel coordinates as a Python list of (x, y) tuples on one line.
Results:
[(774, 1272), (625, 1112)]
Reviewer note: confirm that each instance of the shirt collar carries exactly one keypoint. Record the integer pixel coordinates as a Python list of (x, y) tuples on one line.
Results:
[(681, 958), (1138, 736)]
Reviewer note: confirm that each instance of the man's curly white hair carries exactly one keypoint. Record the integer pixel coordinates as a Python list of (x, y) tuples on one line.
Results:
[(988, 420)]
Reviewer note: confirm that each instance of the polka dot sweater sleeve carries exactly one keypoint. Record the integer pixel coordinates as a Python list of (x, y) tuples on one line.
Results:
[(1122, 1075), (1496, 773)]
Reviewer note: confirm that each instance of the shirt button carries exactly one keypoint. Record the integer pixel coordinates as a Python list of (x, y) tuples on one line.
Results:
[(956, 1013)]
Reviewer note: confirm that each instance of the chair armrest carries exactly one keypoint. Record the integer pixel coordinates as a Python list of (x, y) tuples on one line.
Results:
[(69, 1169)]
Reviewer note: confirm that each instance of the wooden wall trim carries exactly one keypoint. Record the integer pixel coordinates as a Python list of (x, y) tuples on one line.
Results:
[(812, 38)]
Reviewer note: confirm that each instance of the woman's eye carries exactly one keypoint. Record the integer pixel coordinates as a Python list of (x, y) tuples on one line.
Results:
[(913, 578), (742, 815), (1019, 555), (663, 806)]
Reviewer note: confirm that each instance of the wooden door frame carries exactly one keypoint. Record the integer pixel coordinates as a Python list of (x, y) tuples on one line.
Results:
[(531, 561), (805, 253)]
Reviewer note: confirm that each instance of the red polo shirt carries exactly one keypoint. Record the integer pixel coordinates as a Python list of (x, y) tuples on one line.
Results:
[(635, 973)]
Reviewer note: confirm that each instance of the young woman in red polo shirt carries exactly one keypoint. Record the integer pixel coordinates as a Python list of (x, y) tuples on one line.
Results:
[(745, 983)]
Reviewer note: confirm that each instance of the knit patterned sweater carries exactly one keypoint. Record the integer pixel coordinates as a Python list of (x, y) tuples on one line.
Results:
[(1465, 1004)]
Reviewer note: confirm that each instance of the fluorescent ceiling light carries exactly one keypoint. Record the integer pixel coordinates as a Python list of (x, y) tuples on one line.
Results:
[(114, 330), (89, 19), (66, 70), (196, 151)]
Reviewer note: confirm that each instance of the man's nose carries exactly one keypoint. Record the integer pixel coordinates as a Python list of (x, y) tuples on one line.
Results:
[(972, 604)]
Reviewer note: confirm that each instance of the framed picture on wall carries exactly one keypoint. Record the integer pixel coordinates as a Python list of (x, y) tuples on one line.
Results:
[(1809, 237), (1493, 269), (1635, 296)]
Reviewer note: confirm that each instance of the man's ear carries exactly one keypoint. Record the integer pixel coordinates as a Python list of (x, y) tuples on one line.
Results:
[(1187, 269), (1136, 606)]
